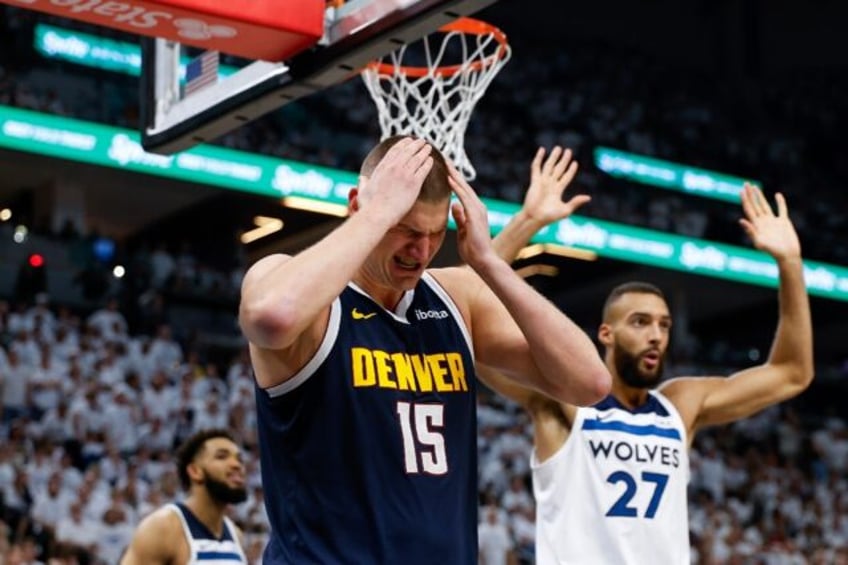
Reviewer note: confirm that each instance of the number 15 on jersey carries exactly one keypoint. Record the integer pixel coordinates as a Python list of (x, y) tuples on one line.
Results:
[(423, 440)]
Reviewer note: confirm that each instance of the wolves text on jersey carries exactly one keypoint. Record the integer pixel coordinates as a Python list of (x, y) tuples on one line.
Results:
[(665, 455)]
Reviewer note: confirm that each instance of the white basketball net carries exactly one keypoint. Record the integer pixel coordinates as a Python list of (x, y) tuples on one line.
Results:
[(437, 105)]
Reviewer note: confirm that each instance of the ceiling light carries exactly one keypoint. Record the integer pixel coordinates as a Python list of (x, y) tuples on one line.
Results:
[(560, 250), (318, 206), (265, 227), (538, 269)]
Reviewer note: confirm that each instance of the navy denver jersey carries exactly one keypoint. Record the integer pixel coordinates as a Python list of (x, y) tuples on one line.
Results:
[(369, 452)]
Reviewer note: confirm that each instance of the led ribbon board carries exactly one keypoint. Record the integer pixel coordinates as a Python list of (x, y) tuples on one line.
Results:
[(107, 146), (668, 175)]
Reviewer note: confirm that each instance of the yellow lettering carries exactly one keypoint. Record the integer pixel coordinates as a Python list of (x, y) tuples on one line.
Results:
[(363, 367), (384, 370), (403, 370), (443, 372), (422, 373), (457, 371), (438, 370)]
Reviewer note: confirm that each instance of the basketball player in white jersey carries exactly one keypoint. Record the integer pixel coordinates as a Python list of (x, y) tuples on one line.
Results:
[(197, 531), (610, 480)]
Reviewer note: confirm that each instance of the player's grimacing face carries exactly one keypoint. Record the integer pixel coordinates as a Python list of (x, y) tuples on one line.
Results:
[(640, 331), (409, 247)]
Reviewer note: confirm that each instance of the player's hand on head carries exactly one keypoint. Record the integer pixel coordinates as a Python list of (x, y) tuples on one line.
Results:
[(474, 239), (549, 178), (769, 232), (396, 181)]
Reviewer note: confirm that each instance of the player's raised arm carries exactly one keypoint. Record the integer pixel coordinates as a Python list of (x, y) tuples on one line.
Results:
[(516, 329), (789, 368), (543, 201), (550, 175)]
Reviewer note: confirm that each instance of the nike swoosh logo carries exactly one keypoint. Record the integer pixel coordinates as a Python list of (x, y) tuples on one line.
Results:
[(603, 416), (357, 315)]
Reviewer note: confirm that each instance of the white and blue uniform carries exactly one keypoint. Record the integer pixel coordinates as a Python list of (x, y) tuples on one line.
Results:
[(204, 547), (615, 492)]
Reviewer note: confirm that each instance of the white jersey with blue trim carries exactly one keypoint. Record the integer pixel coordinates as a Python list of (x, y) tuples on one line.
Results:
[(204, 548), (615, 492)]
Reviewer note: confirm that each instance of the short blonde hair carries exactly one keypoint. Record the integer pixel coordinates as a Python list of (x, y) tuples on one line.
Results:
[(436, 187)]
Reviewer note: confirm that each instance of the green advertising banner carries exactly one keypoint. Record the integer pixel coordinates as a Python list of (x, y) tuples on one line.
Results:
[(671, 176), (97, 144), (689, 255), (98, 52)]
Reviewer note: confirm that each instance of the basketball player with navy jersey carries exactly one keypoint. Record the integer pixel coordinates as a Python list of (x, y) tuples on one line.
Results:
[(196, 531), (364, 365), (610, 480)]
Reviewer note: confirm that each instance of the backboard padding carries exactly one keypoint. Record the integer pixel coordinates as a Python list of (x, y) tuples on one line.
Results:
[(363, 30)]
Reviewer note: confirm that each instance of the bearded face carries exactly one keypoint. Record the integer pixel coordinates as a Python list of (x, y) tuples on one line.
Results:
[(641, 370), (222, 492), (636, 334), (219, 469)]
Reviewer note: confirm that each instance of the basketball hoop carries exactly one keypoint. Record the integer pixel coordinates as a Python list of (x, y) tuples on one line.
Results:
[(429, 88)]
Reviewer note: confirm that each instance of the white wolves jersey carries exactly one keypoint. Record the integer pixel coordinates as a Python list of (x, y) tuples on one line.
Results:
[(205, 548), (615, 492)]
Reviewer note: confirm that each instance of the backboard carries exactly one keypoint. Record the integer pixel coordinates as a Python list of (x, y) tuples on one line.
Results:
[(355, 33)]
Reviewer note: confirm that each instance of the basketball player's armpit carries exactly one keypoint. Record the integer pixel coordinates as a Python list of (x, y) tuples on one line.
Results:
[(540, 405), (507, 387)]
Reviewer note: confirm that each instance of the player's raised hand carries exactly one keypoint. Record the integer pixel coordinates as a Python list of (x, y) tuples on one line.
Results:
[(393, 187), (771, 233), (549, 178), (472, 220)]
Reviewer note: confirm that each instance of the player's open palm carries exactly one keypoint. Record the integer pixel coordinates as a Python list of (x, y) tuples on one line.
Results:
[(770, 232), (549, 178), (396, 182), (474, 239)]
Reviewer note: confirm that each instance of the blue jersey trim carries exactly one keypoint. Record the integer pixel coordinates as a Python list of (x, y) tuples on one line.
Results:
[(651, 406), (633, 429), (218, 555)]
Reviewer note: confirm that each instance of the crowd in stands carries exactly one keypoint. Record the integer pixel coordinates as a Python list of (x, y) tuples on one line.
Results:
[(91, 415), (92, 412), (95, 399)]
